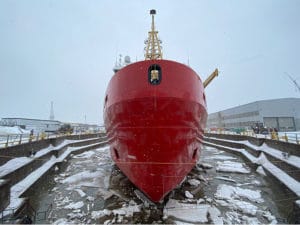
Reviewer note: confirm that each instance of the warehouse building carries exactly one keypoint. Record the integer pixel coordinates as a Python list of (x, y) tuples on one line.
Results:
[(32, 124), (282, 114)]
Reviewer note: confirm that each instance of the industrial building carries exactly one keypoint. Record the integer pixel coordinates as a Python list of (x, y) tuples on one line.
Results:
[(282, 114), (48, 126), (32, 124)]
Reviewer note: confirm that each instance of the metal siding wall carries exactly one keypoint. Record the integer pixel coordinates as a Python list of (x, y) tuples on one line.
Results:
[(288, 107)]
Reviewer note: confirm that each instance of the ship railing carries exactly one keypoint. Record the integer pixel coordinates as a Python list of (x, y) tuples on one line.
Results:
[(8, 140), (289, 137)]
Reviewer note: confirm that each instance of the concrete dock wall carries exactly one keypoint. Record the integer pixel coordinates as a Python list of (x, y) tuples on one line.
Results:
[(83, 143), (27, 149), (18, 174), (228, 143), (4, 194)]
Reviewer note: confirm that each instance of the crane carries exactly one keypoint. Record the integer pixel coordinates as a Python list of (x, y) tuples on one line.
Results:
[(297, 86)]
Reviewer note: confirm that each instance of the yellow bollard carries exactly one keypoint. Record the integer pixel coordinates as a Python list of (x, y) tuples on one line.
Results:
[(43, 135), (274, 135), (286, 138), (31, 137)]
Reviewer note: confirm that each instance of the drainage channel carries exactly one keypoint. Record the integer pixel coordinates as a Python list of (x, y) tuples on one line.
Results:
[(88, 188)]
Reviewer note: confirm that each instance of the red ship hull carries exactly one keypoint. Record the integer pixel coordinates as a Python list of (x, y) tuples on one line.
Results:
[(155, 131)]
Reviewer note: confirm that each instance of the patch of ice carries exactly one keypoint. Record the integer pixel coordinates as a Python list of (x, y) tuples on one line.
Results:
[(107, 222), (245, 207), (256, 182), (270, 217), (102, 149), (227, 192), (75, 205), (232, 217), (181, 223), (190, 213), (205, 165), (188, 194), (229, 166), (104, 193), (101, 213), (186, 212), (44, 151), (193, 182), (206, 147), (261, 171), (62, 221), (80, 192), (250, 220), (87, 154), (13, 164), (86, 178), (127, 210), (221, 157), (200, 200), (209, 200), (226, 179), (63, 201), (215, 215), (76, 215), (90, 198), (222, 202)]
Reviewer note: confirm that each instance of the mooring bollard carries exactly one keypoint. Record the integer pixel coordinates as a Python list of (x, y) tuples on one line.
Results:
[(286, 138), (20, 141), (6, 145)]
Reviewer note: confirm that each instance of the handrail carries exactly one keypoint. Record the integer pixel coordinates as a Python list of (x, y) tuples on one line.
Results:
[(280, 136), (16, 139)]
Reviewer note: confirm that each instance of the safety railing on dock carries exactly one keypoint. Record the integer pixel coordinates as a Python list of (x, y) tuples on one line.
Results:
[(16, 139), (290, 137)]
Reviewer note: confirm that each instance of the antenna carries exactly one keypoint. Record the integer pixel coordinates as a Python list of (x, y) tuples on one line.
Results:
[(153, 48), (297, 86)]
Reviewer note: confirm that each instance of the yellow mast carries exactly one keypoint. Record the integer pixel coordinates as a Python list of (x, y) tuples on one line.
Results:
[(153, 48)]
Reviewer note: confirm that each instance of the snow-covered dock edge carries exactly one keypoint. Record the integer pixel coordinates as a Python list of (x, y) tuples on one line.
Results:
[(262, 157), (17, 198)]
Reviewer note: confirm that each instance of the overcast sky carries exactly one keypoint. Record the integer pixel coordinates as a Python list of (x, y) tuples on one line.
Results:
[(64, 50)]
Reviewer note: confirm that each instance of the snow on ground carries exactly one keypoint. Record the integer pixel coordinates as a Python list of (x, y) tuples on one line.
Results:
[(228, 192), (127, 210), (231, 167), (226, 179), (75, 205), (87, 154), (194, 182), (13, 164), (291, 159), (262, 160), (4, 130), (191, 213), (18, 162), (85, 178), (237, 199), (18, 189), (290, 182), (221, 157), (261, 171)]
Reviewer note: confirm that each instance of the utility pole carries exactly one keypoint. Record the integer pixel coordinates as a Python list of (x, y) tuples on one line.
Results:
[(51, 112)]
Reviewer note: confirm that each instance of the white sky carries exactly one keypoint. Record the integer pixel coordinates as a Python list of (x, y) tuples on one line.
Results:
[(64, 51)]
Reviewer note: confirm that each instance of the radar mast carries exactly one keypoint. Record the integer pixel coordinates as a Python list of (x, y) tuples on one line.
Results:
[(153, 48)]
